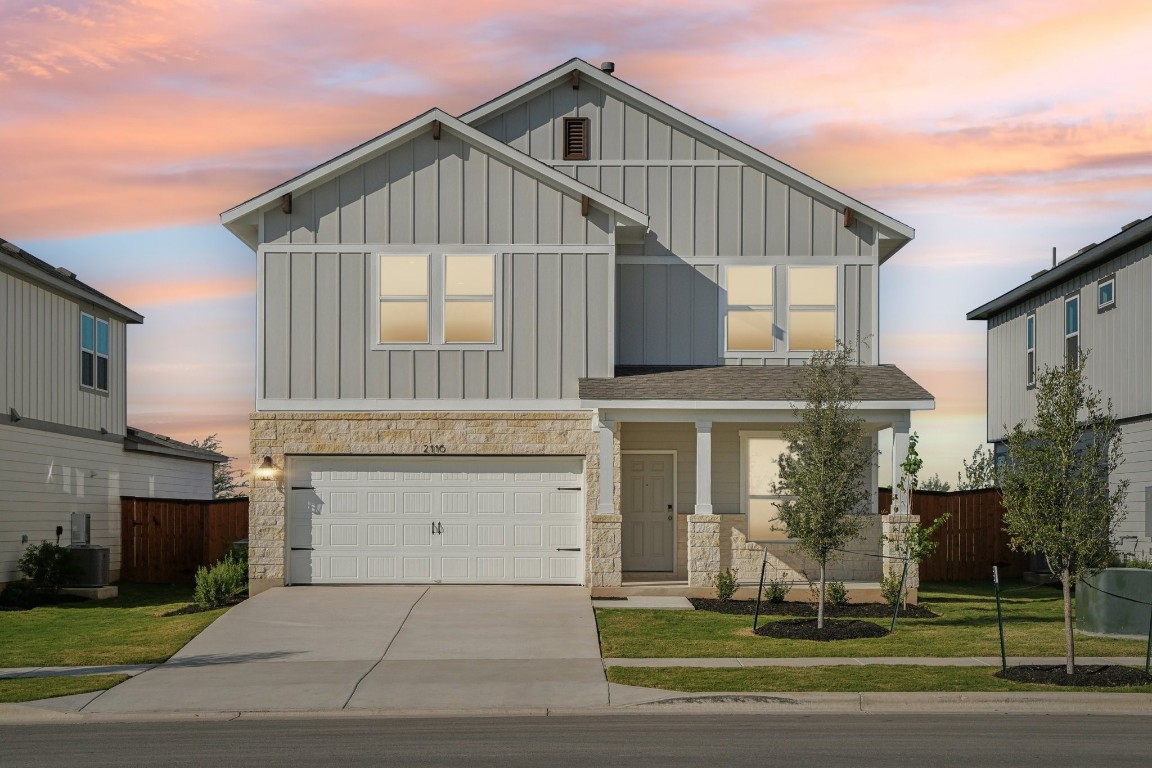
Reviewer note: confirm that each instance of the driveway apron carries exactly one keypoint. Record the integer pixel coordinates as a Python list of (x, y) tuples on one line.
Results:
[(387, 647)]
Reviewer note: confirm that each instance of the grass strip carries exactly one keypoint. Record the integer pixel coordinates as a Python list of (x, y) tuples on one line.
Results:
[(873, 678), (35, 688), (128, 629)]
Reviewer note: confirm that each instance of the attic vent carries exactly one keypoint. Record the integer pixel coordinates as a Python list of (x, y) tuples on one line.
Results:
[(11, 247), (576, 138), (65, 272), (1085, 248), (1130, 224)]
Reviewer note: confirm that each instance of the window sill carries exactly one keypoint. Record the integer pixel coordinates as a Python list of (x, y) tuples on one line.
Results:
[(436, 347)]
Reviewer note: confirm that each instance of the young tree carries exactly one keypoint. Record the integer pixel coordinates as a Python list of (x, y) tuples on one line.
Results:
[(827, 469), (981, 473), (226, 483), (1057, 499), (915, 543)]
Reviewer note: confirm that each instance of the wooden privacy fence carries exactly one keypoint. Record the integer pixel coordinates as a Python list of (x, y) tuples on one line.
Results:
[(970, 541), (164, 541)]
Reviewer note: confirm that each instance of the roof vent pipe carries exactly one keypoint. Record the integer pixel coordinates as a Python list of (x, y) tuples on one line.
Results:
[(608, 66), (1053, 255)]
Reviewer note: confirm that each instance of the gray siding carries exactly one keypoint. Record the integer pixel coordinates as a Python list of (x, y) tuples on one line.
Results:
[(316, 317), (1137, 470), (40, 359), (707, 209), (1119, 341)]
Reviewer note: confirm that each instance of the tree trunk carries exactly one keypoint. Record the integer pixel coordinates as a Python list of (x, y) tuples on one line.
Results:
[(1069, 637), (820, 605)]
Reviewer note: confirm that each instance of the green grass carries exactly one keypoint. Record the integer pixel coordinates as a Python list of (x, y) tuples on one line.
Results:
[(1033, 622), (872, 678), (129, 629), (34, 688)]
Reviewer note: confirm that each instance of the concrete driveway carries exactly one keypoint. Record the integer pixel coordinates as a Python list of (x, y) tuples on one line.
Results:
[(382, 648)]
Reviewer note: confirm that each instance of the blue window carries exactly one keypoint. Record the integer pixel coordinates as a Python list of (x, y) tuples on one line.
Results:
[(1071, 329), (1031, 356), (1106, 293), (93, 352)]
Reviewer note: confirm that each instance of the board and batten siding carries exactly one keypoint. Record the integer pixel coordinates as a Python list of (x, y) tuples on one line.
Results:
[(40, 359), (428, 191), (1119, 342), (555, 310), (47, 476)]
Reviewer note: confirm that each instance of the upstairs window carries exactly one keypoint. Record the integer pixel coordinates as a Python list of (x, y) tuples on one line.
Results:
[(469, 300), (576, 138), (1106, 293), (1071, 329), (437, 299), (1031, 354), (811, 308), (750, 317), (403, 299), (93, 353)]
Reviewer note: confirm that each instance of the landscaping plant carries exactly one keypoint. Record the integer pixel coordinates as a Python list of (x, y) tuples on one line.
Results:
[(776, 590), (1057, 497), (836, 594), (48, 567), (826, 473), (217, 585), (726, 583), (915, 543)]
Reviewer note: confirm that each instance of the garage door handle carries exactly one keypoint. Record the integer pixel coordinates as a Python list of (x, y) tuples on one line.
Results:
[(570, 489), (301, 549), (567, 549)]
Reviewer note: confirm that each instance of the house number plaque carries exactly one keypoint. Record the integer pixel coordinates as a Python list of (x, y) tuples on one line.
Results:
[(435, 449)]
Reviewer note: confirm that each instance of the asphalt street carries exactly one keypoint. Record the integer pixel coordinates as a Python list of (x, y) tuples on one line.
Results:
[(634, 740)]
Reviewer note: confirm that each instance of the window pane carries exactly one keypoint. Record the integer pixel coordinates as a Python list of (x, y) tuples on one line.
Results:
[(750, 286), (102, 337), (86, 368), (469, 276), (811, 330), (1071, 316), (468, 322), (1031, 333), (87, 335), (812, 285), (1106, 293), (403, 321), (403, 275), (762, 471), (749, 331), (102, 373)]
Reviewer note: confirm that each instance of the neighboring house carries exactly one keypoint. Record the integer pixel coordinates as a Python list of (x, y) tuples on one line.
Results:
[(1098, 300), (551, 341), (64, 443)]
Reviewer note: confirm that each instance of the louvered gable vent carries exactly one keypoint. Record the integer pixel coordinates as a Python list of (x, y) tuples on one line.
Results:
[(576, 138)]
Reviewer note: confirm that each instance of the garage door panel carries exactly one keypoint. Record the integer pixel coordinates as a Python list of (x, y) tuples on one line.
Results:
[(463, 523)]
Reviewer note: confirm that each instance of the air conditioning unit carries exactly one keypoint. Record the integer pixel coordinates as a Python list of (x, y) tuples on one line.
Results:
[(92, 565)]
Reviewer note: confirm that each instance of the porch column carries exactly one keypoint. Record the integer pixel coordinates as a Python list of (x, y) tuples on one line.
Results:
[(607, 504), (900, 431), (703, 526), (703, 468)]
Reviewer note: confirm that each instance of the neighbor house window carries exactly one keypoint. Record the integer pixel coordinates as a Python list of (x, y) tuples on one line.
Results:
[(1071, 328), (437, 299), (576, 138), (93, 352), (750, 317), (811, 308), (1106, 294), (1031, 350)]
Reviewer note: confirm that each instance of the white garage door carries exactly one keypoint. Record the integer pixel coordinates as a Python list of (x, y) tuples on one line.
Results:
[(450, 520)]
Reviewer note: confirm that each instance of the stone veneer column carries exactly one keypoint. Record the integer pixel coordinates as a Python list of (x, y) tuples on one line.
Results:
[(893, 530), (703, 549)]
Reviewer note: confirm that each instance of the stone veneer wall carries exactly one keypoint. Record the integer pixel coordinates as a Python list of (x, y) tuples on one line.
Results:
[(543, 433)]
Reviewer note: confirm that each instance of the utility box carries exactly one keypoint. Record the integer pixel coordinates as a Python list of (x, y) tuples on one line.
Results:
[(92, 565), (81, 528)]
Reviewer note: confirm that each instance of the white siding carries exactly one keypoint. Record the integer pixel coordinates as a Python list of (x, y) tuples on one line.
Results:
[(45, 477)]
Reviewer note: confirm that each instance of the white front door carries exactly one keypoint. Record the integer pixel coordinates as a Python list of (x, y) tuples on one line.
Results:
[(452, 520), (648, 536)]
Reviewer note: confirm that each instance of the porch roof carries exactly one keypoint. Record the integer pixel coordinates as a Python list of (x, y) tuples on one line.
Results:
[(770, 383)]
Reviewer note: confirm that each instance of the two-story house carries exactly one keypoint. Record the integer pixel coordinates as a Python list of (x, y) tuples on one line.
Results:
[(553, 340), (65, 445), (1099, 300)]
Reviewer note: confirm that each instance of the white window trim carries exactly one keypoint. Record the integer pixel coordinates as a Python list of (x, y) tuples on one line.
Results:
[(436, 303), (836, 308), (725, 307), (1030, 348), (96, 356), (1111, 302), (1074, 334)]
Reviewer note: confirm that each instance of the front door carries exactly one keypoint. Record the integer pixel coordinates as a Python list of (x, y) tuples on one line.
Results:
[(649, 525)]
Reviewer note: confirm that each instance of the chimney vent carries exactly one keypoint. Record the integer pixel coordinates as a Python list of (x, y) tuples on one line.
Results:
[(608, 66), (65, 272)]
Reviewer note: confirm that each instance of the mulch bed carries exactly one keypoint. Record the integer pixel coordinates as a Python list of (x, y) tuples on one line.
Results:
[(1095, 676), (852, 610), (834, 629), (42, 600)]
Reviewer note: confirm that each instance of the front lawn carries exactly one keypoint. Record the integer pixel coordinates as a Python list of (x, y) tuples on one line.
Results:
[(129, 629), (870, 678), (1033, 621), (34, 688)]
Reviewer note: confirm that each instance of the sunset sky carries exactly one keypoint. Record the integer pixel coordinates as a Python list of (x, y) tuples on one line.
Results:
[(998, 129)]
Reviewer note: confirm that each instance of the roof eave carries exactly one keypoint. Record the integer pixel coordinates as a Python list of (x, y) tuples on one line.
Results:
[(63, 286)]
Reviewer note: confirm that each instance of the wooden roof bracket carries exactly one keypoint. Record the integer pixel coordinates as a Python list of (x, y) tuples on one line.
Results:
[(286, 203), (436, 130), (585, 202), (849, 218), (575, 79)]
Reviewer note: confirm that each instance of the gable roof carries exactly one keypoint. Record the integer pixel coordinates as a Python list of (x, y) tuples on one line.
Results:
[(896, 233), (1128, 238), (241, 219), (20, 261)]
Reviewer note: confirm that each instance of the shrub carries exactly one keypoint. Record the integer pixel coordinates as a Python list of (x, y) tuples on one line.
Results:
[(890, 587), (19, 594), (217, 585), (48, 566), (726, 584), (776, 590), (835, 593)]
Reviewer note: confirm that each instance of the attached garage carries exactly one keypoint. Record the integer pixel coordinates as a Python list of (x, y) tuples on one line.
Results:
[(450, 520)]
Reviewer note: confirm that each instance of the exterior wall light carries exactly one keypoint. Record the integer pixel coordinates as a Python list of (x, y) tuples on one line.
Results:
[(267, 470)]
